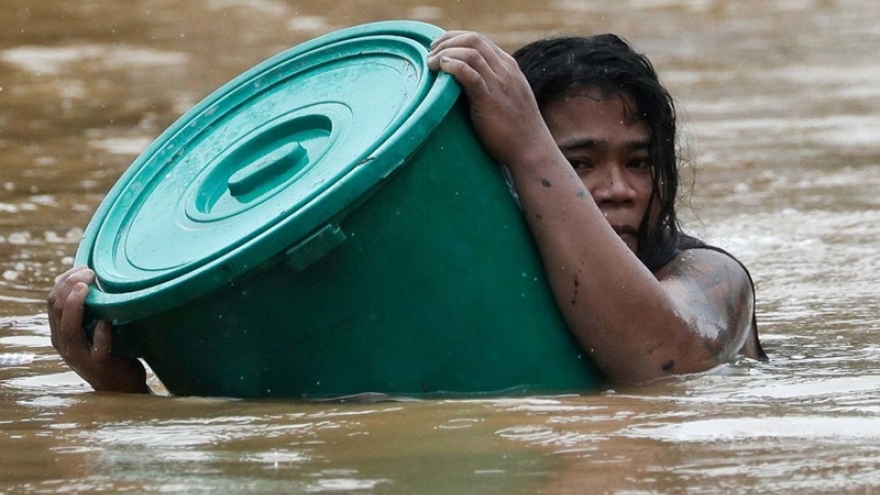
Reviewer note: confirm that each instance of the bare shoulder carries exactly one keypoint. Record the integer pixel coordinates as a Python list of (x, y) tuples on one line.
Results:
[(706, 269), (713, 292)]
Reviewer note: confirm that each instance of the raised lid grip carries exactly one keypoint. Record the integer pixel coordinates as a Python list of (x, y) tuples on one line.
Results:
[(261, 171)]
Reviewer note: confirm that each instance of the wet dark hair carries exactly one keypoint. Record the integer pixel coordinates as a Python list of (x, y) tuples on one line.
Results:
[(558, 67)]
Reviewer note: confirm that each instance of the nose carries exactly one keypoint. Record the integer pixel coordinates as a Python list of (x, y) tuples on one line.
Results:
[(612, 186)]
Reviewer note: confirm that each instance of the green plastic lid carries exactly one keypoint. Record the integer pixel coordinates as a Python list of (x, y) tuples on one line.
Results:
[(261, 163)]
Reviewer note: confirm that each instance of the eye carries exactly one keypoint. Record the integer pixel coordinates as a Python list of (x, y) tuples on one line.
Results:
[(581, 164), (639, 163)]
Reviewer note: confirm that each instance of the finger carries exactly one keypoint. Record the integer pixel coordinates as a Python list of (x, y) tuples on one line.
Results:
[(473, 82), (446, 36), (75, 270), (492, 54), (69, 339), (65, 283), (63, 287), (466, 55), (456, 38), (60, 280)]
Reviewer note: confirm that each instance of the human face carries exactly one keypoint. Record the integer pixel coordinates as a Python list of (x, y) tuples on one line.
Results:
[(608, 149)]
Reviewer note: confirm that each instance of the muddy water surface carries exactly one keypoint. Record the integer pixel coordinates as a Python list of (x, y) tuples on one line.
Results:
[(781, 118)]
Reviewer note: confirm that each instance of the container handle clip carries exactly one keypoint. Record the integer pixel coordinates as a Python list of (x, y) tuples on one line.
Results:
[(314, 247)]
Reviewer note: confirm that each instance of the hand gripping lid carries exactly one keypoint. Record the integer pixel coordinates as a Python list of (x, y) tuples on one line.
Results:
[(261, 163)]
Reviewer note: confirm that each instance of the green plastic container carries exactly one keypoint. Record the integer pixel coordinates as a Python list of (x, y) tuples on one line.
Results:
[(327, 224)]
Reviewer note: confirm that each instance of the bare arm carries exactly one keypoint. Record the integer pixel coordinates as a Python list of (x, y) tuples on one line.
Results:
[(634, 325), (693, 315)]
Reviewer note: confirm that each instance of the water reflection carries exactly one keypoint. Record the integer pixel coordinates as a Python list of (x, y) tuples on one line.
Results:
[(781, 116)]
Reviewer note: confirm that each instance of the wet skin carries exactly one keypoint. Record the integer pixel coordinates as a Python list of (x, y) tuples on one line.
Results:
[(580, 173), (90, 359), (610, 154)]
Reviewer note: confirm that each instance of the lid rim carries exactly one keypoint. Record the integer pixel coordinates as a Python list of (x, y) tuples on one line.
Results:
[(423, 116)]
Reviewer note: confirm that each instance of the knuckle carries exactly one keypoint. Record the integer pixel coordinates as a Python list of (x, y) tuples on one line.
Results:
[(470, 55), (474, 58), (479, 40), (471, 37)]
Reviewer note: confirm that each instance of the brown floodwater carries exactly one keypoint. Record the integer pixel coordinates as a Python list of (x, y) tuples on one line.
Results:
[(780, 110)]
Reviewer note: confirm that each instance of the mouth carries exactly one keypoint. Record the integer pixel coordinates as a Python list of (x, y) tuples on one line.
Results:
[(625, 230)]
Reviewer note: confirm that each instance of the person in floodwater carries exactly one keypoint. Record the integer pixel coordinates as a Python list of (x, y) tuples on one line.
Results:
[(588, 135)]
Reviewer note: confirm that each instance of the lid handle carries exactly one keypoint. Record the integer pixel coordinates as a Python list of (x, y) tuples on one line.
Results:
[(266, 168)]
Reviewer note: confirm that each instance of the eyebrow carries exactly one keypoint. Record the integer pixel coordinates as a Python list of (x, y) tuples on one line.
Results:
[(585, 143)]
